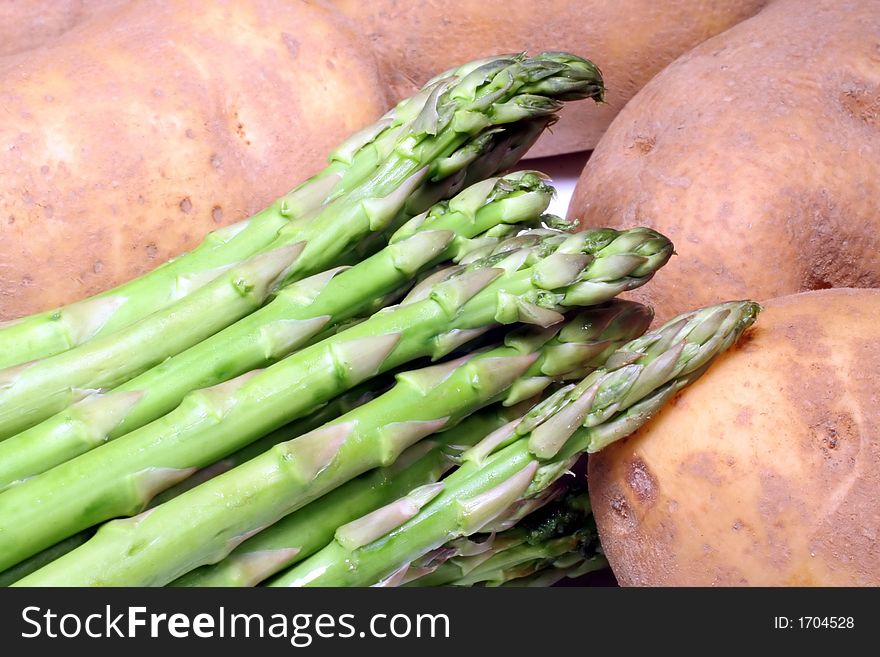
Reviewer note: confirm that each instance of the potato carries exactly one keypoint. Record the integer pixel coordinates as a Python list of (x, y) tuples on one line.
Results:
[(158, 122), (766, 471), (27, 24), (758, 153), (630, 40)]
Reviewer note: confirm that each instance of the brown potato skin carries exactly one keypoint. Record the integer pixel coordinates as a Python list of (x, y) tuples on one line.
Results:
[(132, 136), (766, 471), (28, 24), (630, 40), (758, 153)]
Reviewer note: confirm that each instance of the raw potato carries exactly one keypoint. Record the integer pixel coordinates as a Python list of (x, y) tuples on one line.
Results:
[(630, 40), (27, 24), (767, 470), (758, 153), (128, 139)]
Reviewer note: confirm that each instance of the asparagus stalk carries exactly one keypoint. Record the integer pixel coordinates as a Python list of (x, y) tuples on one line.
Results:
[(521, 460), (496, 149), (337, 406), (368, 178), (584, 341), (296, 314), (226, 510), (37, 561)]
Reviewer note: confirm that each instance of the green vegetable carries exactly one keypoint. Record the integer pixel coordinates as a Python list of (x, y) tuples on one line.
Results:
[(119, 478), (330, 411), (204, 524), (296, 314), (337, 406), (40, 559), (562, 529), (31, 392), (365, 186), (522, 459), (304, 532), (567, 566), (584, 341)]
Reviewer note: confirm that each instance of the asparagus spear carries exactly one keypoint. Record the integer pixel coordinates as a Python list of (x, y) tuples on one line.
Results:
[(337, 406), (330, 411), (496, 149), (364, 186), (40, 559), (292, 318), (231, 507), (498, 92), (584, 341), (522, 459), (31, 392)]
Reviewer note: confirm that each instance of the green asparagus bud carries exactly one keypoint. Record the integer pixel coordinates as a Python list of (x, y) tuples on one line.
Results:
[(456, 110), (639, 378), (562, 528)]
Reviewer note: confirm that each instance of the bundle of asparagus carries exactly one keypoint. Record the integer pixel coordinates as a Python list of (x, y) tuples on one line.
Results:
[(290, 320), (515, 464), (226, 420)]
